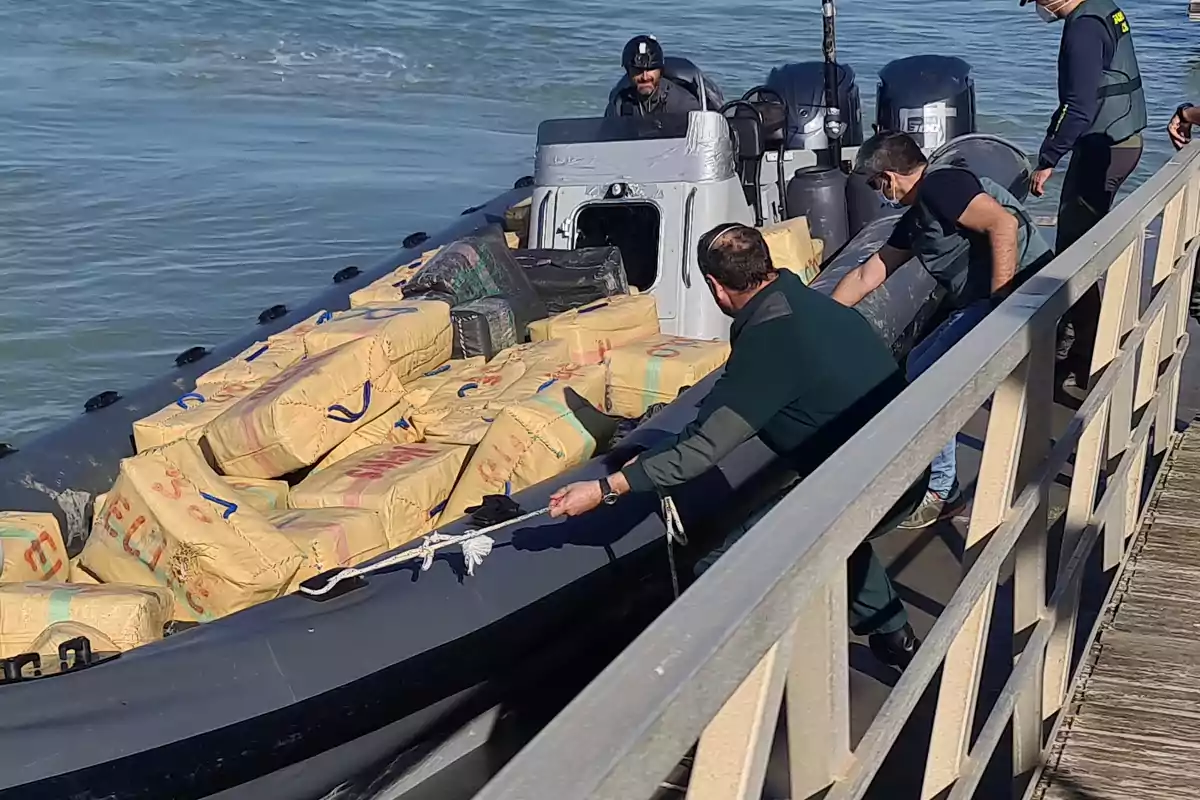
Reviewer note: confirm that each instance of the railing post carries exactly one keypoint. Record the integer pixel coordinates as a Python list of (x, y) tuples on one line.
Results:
[(950, 740), (1029, 566), (818, 693)]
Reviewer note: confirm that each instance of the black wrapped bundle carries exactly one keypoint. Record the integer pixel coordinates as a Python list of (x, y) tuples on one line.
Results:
[(566, 279)]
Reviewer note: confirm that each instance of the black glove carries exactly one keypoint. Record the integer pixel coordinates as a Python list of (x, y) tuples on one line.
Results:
[(494, 509)]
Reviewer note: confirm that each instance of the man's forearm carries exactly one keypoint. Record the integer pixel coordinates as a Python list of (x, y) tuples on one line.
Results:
[(1003, 239), (852, 288), (1191, 115)]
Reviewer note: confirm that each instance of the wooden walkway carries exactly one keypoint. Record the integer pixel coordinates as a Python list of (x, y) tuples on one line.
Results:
[(1134, 724)]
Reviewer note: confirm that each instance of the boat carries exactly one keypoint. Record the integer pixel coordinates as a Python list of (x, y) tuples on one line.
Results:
[(297, 696)]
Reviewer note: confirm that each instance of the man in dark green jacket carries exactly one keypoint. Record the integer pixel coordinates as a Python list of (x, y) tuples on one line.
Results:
[(784, 383)]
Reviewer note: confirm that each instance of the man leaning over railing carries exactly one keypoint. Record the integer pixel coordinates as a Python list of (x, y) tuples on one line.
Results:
[(802, 398), (973, 237)]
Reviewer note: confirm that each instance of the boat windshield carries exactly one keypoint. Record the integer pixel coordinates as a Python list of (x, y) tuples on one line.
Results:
[(612, 129)]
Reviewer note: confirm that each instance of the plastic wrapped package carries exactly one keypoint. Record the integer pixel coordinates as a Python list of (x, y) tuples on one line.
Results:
[(567, 279), (482, 328), (793, 248), (417, 391), (390, 288), (255, 365), (265, 496), (474, 268)]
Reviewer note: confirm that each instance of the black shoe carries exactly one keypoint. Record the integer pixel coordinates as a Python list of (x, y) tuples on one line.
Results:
[(896, 649)]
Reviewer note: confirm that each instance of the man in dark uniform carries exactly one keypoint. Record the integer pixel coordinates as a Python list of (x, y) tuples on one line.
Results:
[(649, 92), (1100, 118), (972, 236), (785, 384)]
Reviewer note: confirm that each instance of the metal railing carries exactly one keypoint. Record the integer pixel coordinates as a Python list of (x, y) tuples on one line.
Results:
[(771, 616)]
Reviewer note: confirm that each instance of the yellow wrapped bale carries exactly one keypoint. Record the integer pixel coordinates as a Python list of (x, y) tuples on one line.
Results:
[(331, 537), (406, 484), (169, 521), (654, 370), (264, 496), (592, 330), (189, 416), (512, 239), (255, 365), (529, 442), (129, 616), (555, 351), (31, 548), (793, 248), (46, 645), (298, 331), (460, 415), (386, 290), (295, 418), (417, 391), (413, 336), (392, 427)]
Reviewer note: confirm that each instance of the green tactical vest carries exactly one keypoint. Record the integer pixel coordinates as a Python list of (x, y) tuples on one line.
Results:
[(961, 260), (1122, 100)]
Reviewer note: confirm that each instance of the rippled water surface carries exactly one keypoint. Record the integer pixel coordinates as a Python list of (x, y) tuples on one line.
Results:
[(168, 167)]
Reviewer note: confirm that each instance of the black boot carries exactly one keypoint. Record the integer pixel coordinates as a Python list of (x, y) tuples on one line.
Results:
[(896, 649)]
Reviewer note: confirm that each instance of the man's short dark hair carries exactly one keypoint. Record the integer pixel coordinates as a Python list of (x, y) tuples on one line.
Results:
[(889, 151), (736, 256)]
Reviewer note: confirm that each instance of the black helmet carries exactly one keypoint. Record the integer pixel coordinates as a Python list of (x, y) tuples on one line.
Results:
[(642, 53)]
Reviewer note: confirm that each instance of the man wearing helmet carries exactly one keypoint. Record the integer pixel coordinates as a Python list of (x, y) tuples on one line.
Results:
[(648, 92)]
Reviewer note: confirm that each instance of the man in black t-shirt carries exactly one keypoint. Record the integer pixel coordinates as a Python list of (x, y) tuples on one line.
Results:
[(972, 236)]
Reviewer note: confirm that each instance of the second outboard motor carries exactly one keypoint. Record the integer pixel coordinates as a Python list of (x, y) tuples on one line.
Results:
[(930, 97), (819, 193), (802, 87)]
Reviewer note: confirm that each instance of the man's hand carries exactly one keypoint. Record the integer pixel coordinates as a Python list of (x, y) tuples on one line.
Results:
[(1037, 181), (1180, 129), (575, 499)]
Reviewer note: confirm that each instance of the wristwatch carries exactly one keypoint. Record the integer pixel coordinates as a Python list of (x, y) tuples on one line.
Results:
[(609, 497)]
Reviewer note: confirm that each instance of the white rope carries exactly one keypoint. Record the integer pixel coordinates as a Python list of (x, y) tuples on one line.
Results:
[(675, 535), (476, 545)]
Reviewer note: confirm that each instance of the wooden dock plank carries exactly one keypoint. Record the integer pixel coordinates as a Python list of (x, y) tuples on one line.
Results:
[(1134, 726)]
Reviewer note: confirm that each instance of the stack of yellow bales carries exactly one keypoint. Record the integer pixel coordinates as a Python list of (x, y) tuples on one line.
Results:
[(39, 609), (793, 248), (592, 330), (460, 412), (355, 370), (530, 441), (170, 521)]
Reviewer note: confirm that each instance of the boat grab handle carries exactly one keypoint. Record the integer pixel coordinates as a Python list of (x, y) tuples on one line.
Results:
[(542, 206), (689, 206), (339, 413)]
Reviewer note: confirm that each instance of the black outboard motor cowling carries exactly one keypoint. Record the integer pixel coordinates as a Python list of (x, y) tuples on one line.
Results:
[(802, 87), (931, 97)]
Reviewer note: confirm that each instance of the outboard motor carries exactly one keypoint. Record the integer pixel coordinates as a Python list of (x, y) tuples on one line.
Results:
[(802, 87), (931, 97)]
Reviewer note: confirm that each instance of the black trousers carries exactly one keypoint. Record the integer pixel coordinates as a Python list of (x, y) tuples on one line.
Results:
[(1098, 169)]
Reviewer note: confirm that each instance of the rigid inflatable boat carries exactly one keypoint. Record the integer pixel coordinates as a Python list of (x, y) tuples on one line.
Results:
[(294, 697)]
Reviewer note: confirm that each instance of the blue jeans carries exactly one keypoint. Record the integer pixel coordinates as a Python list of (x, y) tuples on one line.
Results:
[(930, 349)]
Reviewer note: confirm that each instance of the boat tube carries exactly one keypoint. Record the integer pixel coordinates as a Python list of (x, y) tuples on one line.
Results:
[(293, 697)]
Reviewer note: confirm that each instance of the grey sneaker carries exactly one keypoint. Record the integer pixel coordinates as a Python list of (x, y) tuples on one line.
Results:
[(933, 509)]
